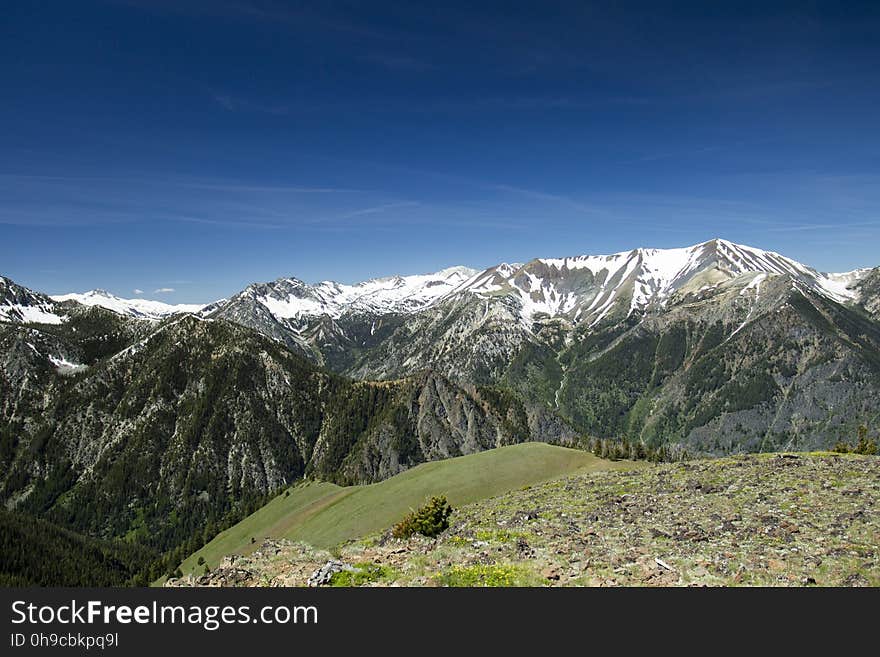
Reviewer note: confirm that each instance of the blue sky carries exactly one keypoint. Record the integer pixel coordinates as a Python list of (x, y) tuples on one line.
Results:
[(201, 145)]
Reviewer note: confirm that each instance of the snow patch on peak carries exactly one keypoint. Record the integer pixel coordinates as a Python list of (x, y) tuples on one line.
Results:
[(19, 304), (41, 314), (639, 279), (842, 285), (458, 271), (391, 294), (138, 308)]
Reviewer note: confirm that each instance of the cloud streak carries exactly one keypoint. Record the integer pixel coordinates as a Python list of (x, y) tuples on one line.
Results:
[(163, 290), (545, 196), (218, 185), (791, 228), (233, 104), (230, 223), (363, 212), (300, 19)]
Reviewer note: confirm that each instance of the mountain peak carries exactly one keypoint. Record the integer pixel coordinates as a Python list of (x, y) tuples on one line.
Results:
[(137, 308), (586, 288), (457, 270), (20, 304), (289, 298)]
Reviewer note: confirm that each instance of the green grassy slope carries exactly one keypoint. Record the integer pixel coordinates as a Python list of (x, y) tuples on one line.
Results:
[(325, 515)]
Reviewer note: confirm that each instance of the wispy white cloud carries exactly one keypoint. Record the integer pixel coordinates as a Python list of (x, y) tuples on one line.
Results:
[(362, 212), (672, 154), (231, 223), (401, 63), (233, 104), (291, 189), (379, 209), (137, 291), (791, 228), (183, 181), (545, 196), (299, 18), (163, 290)]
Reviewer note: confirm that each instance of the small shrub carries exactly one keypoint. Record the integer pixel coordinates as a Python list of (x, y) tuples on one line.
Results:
[(201, 561), (869, 447), (864, 445), (430, 520)]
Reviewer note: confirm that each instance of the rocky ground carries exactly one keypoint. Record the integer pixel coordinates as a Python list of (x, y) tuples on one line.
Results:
[(766, 520)]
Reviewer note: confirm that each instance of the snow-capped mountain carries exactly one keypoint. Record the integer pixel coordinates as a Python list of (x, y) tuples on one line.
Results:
[(458, 306), (288, 298), (586, 288), (306, 317), (19, 304), (137, 308), (582, 288)]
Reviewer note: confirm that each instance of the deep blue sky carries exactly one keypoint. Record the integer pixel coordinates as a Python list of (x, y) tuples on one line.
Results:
[(201, 145)]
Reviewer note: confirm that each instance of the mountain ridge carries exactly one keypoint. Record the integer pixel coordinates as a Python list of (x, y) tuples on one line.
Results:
[(333, 298)]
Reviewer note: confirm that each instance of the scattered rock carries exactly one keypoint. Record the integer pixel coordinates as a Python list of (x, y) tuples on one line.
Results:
[(522, 517), (228, 576), (551, 573), (324, 574), (664, 565), (856, 579)]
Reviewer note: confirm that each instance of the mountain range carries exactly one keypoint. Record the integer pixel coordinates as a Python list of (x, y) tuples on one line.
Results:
[(160, 424)]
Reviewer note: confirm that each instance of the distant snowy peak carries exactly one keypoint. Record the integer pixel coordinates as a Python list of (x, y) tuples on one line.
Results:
[(137, 308), (288, 298), (582, 289), (662, 269), (589, 287), (585, 288), (19, 304), (845, 285)]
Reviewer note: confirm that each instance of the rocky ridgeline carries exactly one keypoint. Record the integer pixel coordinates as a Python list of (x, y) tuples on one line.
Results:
[(774, 520)]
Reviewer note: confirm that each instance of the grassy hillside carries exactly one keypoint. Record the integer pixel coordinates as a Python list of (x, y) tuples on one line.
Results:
[(326, 515), (805, 519)]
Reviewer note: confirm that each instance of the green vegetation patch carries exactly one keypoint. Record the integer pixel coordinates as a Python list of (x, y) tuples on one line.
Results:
[(362, 574), (484, 575)]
